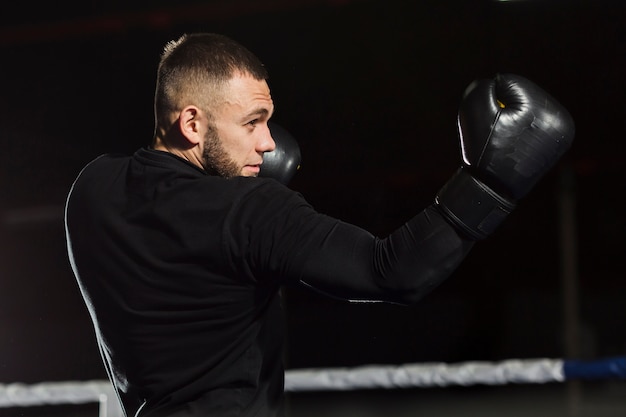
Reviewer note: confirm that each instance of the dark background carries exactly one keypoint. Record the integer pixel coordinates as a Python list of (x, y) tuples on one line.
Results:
[(370, 89)]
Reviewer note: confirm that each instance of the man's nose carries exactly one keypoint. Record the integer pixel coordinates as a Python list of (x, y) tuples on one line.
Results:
[(266, 142)]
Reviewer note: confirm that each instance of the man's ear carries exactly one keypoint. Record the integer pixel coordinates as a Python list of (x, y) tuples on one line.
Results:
[(189, 124)]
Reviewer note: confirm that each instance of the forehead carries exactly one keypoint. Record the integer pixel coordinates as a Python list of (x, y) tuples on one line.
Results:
[(244, 91)]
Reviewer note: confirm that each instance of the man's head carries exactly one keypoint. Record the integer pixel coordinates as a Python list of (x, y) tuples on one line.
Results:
[(212, 104)]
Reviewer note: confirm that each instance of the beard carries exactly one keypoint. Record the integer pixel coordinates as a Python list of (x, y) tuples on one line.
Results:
[(216, 159)]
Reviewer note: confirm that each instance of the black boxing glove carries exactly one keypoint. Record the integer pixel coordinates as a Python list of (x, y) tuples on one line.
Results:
[(284, 161), (511, 132)]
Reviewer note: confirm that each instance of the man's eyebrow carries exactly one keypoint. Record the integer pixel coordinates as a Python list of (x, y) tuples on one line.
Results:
[(260, 111)]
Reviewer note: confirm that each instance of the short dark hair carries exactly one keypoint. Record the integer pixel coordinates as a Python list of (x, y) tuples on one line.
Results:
[(195, 66)]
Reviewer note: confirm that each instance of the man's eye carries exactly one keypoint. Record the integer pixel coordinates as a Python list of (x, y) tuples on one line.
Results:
[(253, 122)]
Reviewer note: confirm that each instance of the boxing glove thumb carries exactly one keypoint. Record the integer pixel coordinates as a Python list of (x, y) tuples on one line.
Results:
[(511, 133), (284, 161)]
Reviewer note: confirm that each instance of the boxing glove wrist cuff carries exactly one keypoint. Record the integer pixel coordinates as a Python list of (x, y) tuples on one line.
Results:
[(472, 207)]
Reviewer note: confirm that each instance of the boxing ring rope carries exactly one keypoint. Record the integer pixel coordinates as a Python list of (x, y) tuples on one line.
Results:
[(515, 371)]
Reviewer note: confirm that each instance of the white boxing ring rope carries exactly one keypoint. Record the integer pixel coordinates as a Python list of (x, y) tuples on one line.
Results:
[(425, 375), (516, 371)]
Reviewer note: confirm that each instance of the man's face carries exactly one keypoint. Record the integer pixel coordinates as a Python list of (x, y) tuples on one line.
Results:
[(240, 135)]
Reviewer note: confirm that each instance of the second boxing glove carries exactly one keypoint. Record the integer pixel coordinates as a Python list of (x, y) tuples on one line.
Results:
[(511, 132), (284, 161)]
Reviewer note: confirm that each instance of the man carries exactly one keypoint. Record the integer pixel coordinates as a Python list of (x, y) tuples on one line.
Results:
[(180, 249)]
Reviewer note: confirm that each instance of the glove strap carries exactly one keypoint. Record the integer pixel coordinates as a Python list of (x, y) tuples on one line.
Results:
[(472, 207)]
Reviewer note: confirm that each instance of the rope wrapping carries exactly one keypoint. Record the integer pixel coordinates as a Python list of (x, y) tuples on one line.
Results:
[(67, 392), (426, 375), (516, 371)]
